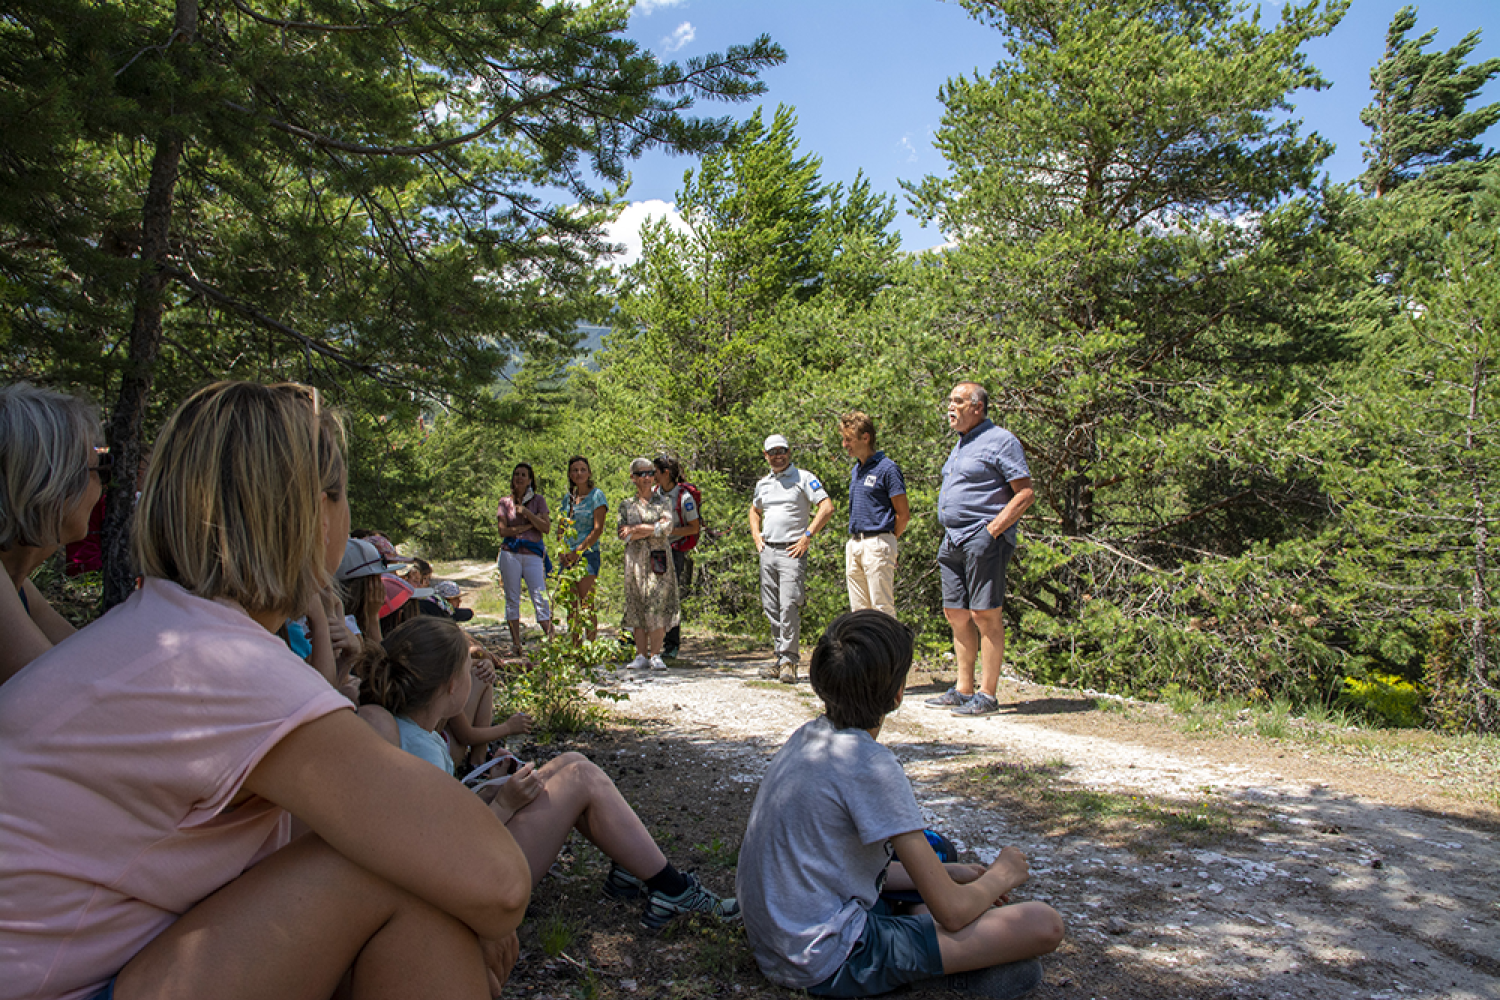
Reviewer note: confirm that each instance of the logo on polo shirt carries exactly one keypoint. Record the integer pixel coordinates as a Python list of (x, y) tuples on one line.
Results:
[(813, 482), (870, 479)]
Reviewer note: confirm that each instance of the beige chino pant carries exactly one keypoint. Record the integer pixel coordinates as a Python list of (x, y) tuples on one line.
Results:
[(870, 572)]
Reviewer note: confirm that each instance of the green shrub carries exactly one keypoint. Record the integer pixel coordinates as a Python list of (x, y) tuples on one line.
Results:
[(1386, 697)]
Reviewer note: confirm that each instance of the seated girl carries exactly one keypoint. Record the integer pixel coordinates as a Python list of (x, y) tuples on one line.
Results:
[(153, 762), (422, 676), (472, 730)]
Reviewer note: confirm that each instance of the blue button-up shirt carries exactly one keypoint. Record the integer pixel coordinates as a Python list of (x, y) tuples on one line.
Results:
[(977, 478)]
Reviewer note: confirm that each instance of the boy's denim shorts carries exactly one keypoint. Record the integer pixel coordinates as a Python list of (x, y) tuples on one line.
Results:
[(893, 951), (591, 560)]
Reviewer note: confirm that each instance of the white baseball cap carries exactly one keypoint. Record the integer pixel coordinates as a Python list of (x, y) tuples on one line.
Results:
[(777, 441)]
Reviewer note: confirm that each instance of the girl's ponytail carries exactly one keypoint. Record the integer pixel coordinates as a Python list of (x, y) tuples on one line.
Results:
[(413, 664)]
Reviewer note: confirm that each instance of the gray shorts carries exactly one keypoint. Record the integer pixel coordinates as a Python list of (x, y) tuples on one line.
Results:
[(892, 951), (973, 573)]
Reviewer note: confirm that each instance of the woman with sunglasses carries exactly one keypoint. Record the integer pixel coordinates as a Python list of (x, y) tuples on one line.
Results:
[(52, 473), (650, 583)]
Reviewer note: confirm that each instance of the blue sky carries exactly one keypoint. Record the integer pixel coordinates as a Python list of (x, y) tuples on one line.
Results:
[(864, 75)]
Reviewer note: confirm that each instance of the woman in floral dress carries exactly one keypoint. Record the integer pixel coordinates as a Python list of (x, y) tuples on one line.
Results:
[(650, 583)]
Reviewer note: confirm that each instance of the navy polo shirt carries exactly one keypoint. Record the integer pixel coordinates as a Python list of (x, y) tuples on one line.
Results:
[(872, 483)]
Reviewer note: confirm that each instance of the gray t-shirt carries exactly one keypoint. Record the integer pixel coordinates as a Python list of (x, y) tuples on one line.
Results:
[(785, 501), (816, 849)]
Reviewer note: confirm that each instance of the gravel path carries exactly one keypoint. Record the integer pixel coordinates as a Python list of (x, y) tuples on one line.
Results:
[(1317, 893)]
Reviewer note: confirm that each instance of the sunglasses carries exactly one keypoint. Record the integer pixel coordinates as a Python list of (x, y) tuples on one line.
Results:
[(644, 472), (777, 451), (105, 467)]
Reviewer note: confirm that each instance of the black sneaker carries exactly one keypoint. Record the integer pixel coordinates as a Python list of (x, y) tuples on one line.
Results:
[(950, 698), (661, 908), (980, 704), (620, 884), (998, 982)]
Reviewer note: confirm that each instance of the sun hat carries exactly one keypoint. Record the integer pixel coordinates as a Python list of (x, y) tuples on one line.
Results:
[(397, 593), (360, 559), (446, 588)]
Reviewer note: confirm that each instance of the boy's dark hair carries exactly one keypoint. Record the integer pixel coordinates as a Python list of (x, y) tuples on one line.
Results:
[(859, 667)]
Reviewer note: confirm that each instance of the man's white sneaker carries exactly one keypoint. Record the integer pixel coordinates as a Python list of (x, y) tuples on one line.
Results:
[(657, 663), (640, 662)]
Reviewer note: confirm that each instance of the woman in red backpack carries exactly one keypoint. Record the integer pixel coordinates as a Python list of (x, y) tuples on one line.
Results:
[(687, 523)]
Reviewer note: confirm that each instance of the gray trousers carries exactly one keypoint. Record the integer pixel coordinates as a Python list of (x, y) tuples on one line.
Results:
[(782, 594)]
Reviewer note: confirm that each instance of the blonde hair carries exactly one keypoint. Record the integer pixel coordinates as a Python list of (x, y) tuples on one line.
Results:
[(232, 504), (46, 440), (413, 664)]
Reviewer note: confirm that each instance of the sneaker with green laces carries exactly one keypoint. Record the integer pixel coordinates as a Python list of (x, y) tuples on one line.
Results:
[(620, 884), (661, 908)]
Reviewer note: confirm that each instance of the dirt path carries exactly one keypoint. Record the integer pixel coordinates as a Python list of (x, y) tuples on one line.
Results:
[(1183, 871)]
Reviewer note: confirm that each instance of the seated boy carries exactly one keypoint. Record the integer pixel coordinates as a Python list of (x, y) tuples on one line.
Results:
[(817, 851)]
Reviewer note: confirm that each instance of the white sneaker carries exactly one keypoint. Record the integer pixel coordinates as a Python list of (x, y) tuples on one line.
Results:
[(640, 662), (657, 663)]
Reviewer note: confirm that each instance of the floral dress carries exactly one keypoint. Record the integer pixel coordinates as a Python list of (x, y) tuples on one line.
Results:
[(650, 597)]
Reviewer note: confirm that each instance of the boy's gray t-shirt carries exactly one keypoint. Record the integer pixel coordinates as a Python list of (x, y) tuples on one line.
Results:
[(815, 848)]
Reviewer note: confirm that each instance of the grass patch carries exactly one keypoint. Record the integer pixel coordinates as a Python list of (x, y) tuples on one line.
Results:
[(555, 934), (1040, 796), (718, 853)]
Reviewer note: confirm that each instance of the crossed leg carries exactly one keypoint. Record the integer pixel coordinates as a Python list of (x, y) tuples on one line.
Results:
[(295, 924)]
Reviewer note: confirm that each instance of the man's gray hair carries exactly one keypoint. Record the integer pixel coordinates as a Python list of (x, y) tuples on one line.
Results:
[(978, 395), (46, 440)]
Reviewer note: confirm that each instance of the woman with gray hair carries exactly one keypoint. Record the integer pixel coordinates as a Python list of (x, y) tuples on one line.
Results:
[(51, 476), (650, 583)]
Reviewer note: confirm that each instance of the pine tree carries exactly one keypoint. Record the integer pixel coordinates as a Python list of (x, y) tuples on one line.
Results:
[(1420, 118), (348, 192)]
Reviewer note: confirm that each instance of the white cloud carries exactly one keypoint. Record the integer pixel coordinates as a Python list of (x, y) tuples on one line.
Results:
[(626, 230), (651, 6), (911, 151), (684, 34)]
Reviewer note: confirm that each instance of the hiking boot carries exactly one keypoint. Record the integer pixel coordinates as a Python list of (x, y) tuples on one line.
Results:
[(661, 908), (620, 884), (770, 671), (657, 663), (788, 673), (980, 704), (951, 698), (998, 982)]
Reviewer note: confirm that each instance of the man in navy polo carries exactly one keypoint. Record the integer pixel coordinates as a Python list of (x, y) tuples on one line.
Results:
[(986, 488), (789, 508), (878, 513)]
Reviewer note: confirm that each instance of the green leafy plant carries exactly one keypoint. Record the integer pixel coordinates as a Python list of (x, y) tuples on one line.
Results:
[(1386, 697)]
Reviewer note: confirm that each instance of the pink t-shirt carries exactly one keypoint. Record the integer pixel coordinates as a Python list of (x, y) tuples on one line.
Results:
[(121, 749), (507, 514)]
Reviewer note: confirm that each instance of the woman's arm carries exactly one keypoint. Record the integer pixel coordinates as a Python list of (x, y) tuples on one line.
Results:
[(597, 533), (540, 520), (385, 810), (24, 638)]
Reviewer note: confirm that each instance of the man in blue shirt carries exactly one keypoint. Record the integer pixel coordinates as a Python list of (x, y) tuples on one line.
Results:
[(878, 514), (986, 488)]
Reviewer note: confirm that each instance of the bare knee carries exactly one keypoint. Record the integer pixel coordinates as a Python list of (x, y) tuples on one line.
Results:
[(1044, 926)]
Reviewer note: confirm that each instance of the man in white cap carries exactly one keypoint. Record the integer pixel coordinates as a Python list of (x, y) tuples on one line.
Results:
[(779, 525)]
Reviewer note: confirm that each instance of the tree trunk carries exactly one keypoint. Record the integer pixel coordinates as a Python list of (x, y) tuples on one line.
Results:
[(144, 344), (1479, 668)]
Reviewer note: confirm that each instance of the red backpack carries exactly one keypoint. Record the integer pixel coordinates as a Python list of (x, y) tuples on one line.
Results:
[(690, 542)]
